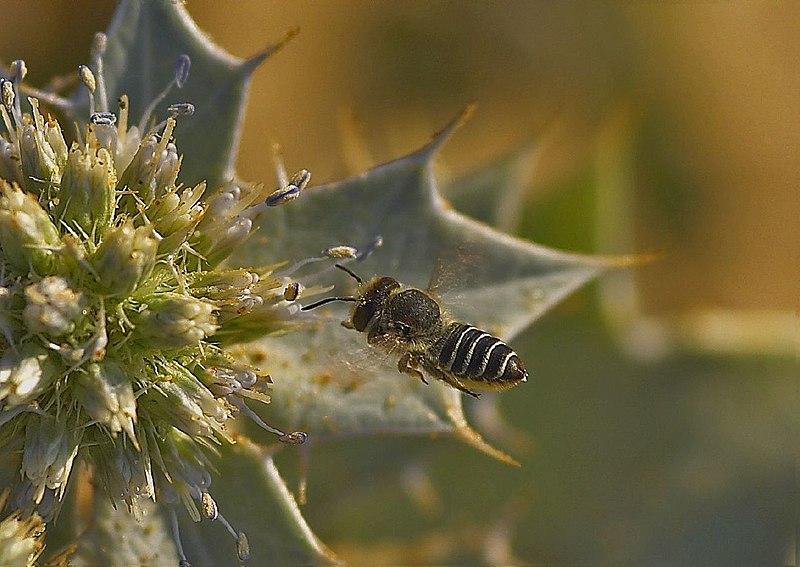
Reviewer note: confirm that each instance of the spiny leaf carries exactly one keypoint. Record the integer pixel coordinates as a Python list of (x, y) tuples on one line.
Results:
[(494, 193), (250, 494), (253, 497), (502, 284), (116, 538), (144, 41)]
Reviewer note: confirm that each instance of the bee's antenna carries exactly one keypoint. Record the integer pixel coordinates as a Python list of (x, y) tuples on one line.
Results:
[(327, 300), (349, 271)]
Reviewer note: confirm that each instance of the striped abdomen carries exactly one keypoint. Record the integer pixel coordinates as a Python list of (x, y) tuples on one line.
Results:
[(479, 359)]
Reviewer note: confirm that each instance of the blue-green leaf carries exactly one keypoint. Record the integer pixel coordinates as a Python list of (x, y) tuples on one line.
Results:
[(144, 42), (252, 496), (326, 379)]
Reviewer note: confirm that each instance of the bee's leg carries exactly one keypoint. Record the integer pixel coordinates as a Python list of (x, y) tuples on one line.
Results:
[(448, 379), (453, 381), (408, 364), (383, 340)]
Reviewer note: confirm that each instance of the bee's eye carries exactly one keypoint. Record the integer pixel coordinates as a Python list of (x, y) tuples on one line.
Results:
[(371, 303), (363, 313)]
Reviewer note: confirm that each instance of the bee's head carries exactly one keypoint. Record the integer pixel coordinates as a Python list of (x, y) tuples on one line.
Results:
[(368, 303), (371, 300)]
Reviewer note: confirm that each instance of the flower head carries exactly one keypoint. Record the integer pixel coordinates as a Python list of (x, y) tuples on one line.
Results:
[(115, 308)]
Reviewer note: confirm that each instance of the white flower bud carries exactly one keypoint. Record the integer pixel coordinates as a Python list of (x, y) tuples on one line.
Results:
[(175, 216), (224, 375), (169, 164), (127, 474), (39, 165), (268, 307), (226, 224), (50, 449), (10, 162), (55, 139), (152, 172), (138, 176), (28, 237), (216, 245), (52, 307), (25, 374), (21, 540), (172, 320), (183, 409), (125, 257), (224, 284), (233, 292), (86, 196), (106, 392)]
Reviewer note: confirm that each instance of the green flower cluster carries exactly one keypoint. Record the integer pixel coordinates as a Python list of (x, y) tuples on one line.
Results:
[(114, 309)]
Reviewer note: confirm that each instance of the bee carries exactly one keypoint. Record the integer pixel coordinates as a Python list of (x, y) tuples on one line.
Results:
[(412, 321)]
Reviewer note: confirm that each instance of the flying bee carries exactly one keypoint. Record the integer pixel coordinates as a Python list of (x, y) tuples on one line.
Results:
[(412, 321)]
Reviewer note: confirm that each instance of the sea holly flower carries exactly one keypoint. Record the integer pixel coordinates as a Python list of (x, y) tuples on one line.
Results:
[(135, 264), (112, 297)]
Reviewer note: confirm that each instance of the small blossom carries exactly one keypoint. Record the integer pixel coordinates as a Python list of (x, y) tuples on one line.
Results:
[(25, 374), (233, 292), (52, 307), (125, 258), (148, 176), (21, 540), (172, 320), (126, 141), (40, 163), (10, 162), (226, 223), (106, 393), (127, 475), (50, 448), (224, 376), (188, 468), (175, 215), (86, 195), (28, 237), (54, 138)]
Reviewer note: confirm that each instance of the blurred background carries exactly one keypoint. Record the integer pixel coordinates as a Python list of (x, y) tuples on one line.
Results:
[(661, 425)]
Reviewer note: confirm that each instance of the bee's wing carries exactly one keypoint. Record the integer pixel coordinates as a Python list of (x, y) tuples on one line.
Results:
[(449, 269), (437, 276), (388, 343)]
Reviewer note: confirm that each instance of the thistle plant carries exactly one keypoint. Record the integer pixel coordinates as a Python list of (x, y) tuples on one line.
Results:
[(132, 274), (116, 310)]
